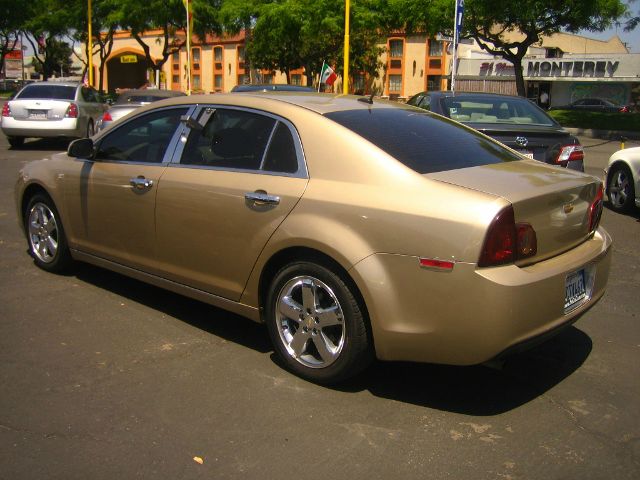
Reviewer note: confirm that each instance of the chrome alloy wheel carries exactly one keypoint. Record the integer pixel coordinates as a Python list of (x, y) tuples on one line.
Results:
[(310, 322), (43, 232), (619, 188)]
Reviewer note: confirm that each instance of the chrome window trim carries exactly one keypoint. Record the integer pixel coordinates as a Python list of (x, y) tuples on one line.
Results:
[(302, 171)]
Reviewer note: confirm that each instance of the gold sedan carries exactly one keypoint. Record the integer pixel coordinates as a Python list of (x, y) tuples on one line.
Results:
[(353, 228)]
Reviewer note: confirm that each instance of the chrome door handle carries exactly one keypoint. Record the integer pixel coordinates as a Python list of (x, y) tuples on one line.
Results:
[(261, 197), (141, 183)]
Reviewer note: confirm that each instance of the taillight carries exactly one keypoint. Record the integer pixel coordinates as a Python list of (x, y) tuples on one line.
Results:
[(6, 111), (624, 109), (507, 241), (107, 117), (570, 153), (595, 210), (72, 111)]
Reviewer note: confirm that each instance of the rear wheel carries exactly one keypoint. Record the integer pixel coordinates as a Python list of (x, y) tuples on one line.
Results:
[(47, 241), (620, 189), (16, 142), (316, 324)]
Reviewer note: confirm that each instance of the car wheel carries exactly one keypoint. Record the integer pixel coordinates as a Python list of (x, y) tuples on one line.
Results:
[(47, 241), (317, 326), (16, 142), (90, 129), (620, 189)]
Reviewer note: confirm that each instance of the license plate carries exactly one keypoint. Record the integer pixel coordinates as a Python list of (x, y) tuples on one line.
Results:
[(526, 153), (574, 289), (38, 114)]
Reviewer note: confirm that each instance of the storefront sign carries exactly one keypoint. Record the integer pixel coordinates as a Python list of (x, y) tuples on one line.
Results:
[(579, 69), (488, 69), (129, 59)]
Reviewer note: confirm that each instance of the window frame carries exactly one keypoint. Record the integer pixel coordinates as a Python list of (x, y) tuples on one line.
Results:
[(302, 171)]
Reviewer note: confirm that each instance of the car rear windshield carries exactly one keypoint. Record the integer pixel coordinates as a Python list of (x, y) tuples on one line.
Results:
[(423, 141), (54, 92), (488, 109)]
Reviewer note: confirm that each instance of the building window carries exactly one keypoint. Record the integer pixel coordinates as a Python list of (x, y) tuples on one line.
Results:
[(395, 83), (358, 84), (434, 82), (296, 79), (243, 79), (196, 82), (175, 78), (435, 48), (267, 78), (195, 58), (435, 63), (218, 58), (217, 82), (395, 48)]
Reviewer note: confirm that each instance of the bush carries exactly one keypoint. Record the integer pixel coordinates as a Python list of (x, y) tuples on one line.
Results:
[(629, 122)]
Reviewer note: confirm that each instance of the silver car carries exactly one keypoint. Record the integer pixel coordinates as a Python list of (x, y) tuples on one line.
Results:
[(130, 100), (51, 109)]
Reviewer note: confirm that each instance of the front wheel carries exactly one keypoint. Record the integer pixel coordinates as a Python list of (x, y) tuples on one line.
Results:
[(316, 324), (47, 241), (620, 189)]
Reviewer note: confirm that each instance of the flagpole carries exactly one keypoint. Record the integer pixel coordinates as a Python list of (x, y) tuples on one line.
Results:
[(187, 4), (345, 75), (320, 77), (90, 52)]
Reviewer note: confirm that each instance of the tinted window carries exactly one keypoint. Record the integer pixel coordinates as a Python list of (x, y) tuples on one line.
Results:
[(487, 109), (143, 139), (229, 139), (422, 141), (56, 92), (281, 156)]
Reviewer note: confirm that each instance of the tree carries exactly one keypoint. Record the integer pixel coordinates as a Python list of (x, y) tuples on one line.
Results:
[(57, 61), (11, 22), (492, 22), (168, 16)]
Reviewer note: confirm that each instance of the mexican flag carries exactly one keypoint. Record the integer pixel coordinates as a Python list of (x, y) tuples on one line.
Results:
[(327, 75)]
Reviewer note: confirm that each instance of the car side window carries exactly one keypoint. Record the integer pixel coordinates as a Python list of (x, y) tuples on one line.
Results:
[(425, 102), (234, 139), (281, 156), (142, 139)]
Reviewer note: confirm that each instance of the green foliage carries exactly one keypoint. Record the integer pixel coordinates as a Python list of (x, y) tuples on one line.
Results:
[(629, 122)]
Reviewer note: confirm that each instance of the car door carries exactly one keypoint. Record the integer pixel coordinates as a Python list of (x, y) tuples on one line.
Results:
[(240, 173), (91, 107), (111, 197)]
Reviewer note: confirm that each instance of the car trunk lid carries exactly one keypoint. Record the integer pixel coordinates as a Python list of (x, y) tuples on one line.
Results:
[(39, 109), (556, 202)]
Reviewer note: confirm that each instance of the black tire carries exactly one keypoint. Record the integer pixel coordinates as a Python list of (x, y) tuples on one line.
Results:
[(45, 235), (620, 189), (16, 142), (328, 329)]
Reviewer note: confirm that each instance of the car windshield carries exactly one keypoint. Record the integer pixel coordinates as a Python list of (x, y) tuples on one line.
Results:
[(55, 92), (423, 141), (482, 109)]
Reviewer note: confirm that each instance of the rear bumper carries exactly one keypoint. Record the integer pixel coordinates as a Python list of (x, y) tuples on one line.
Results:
[(65, 127), (471, 315)]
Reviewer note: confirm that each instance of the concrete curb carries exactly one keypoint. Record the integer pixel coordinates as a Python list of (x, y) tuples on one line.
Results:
[(604, 134)]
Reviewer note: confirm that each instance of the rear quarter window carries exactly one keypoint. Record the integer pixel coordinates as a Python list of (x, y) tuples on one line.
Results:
[(422, 141)]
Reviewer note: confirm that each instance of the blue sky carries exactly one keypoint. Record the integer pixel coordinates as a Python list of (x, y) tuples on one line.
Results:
[(632, 39)]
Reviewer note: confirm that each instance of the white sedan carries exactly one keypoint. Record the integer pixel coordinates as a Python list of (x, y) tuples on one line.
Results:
[(623, 179)]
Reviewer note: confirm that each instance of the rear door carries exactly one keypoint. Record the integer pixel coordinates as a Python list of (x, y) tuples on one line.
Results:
[(237, 177)]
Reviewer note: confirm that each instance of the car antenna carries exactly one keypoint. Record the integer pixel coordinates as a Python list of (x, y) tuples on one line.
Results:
[(368, 100)]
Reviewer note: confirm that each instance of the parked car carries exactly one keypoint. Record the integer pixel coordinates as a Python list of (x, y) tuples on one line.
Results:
[(128, 101), (514, 121), (623, 179), (271, 87), (593, 105), (351, 240), (51, 109)]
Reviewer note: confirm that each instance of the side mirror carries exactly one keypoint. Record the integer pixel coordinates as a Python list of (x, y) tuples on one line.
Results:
[(81, 148)]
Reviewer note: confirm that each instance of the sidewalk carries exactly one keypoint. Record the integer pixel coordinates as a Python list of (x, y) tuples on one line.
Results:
[(604, 134)]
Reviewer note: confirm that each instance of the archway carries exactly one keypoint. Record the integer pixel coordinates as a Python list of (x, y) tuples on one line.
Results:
[(126, 70)]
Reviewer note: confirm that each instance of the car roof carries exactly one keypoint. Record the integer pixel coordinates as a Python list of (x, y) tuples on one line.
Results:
[(321, 103), (448, 93), (155, 92), (53, 83), (271, 87)]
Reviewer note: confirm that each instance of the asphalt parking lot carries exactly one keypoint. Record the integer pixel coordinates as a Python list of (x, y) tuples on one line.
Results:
[(104, 377)]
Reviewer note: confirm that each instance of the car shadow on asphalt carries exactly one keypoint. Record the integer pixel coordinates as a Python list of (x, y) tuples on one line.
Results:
[(635, 213), (476, 390), (480, 390), (45, 144)]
